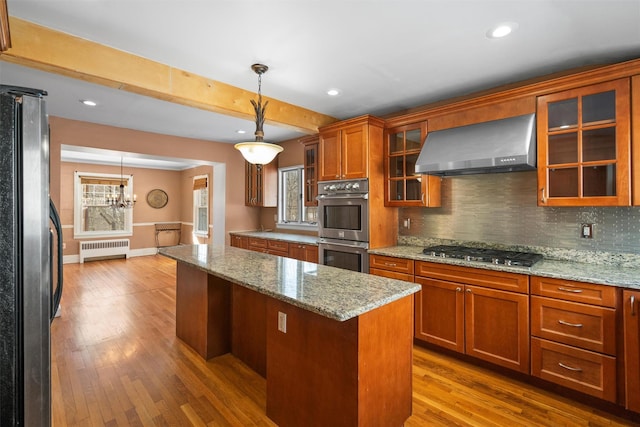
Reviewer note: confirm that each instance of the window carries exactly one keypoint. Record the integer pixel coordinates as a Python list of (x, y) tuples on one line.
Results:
[(292, 213), (200, 206), (93, 214)]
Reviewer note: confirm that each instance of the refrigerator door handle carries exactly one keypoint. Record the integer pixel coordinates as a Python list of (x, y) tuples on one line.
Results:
[(57, 294)]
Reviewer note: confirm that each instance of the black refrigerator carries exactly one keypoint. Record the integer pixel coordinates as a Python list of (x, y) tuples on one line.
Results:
[(30, 242)]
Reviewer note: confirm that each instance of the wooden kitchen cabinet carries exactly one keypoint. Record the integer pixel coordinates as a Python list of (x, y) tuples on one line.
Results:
[(310, 170), (482, 313), (584, 146), (391, 267), (261, 185), (574, 340), (344, 148), (631, 314), (403, 187), (439, 313), (240, 242), (303, 252)]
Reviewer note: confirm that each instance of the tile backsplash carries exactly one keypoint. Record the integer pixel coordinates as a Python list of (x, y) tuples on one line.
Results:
[(501, 209)]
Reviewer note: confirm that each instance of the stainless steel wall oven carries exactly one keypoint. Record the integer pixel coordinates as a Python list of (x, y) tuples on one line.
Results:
[(343, 219)]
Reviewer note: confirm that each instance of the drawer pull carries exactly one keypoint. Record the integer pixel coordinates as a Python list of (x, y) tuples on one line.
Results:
[(570, 368), (575, 325), (575, 291), (390, 264), (458, 289), (633, 305)]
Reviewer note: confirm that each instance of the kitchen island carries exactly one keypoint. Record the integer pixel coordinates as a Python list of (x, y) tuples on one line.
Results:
[(335, 346)]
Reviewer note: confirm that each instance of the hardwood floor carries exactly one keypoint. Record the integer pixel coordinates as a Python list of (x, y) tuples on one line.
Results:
[(116, 362)]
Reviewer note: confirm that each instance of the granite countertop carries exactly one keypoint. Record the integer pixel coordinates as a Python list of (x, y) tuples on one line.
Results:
[(331, 292), (285, 237), (615, 275)]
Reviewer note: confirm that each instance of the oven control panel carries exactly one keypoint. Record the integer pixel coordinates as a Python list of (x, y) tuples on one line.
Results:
[(344, 186)]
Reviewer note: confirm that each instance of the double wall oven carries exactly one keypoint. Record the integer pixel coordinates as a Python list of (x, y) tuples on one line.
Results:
[(343, 219)]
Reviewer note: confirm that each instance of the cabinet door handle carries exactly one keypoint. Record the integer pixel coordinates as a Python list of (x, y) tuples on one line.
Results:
[(468, 291), (543, 198), (574, 291), (633, 305), (570, 368), (575, 325), (458, 289)]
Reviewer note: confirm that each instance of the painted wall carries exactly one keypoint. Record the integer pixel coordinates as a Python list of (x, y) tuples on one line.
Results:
[(227, 161), (293, 155), (502, 209), (144, 216)]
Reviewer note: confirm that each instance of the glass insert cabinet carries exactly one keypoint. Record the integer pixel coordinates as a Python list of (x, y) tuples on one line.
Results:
[(584, 146), (403, 186)]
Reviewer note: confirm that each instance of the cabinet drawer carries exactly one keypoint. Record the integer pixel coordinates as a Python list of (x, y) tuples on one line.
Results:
[(391, 274), (256, 243), (278, 246), (582, 370), (586, 326), (400, 265), (505, 281), (570, 290)]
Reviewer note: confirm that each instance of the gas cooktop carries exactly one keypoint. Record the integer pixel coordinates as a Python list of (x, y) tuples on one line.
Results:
[(494, 256)]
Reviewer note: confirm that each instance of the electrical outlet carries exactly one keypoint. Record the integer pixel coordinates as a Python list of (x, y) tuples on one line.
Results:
[(282, 322), (586, 231), (407, 223)]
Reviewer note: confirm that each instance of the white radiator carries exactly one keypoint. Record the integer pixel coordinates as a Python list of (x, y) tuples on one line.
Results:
[(104, 248)]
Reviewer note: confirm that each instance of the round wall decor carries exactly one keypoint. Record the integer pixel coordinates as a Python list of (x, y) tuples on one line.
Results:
[(157, 198)]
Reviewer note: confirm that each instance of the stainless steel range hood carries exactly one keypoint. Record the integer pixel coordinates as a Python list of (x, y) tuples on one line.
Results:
[(505, 145)]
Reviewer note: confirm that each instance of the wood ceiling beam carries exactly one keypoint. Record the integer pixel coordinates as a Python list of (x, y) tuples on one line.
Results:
[(52, 51)]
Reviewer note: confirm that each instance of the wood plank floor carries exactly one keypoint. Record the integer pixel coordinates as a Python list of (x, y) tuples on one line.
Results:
[(116, 362)]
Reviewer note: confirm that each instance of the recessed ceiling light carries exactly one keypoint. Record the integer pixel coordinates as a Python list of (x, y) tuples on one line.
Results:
[(88, 102), (502, 30), (240, 131), (333, 92)]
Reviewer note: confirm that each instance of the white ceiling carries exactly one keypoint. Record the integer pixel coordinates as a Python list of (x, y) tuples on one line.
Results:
[(383, 55)]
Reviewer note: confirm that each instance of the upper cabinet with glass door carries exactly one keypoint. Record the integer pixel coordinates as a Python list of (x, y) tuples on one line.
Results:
[(584, 146), (403, 187)]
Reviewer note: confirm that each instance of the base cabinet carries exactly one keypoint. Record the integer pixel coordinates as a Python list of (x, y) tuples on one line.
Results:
[(631, 313), (303, 252), (240, 242), (573, 328), (467, 310)]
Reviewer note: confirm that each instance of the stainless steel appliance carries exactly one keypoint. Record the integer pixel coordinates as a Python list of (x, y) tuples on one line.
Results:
[(505, 145), (28, 299), (343, 220), (494, 256)]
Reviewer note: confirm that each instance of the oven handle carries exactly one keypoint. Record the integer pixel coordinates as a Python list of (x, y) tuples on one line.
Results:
[(364, 196), (346, 245)]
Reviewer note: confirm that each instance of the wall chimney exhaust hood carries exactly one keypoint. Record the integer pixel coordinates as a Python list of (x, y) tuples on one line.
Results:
[(505, 145)]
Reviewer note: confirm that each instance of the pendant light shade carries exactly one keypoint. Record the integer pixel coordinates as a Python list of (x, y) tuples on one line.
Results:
[(259, 152)]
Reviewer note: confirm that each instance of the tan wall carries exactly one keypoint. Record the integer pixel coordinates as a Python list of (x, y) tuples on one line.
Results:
[(293, 155), (186, 211), (70, 132), (144, 180)]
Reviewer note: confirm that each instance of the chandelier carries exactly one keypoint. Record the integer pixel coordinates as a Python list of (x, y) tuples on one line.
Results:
[(259, 152), (122, 200)]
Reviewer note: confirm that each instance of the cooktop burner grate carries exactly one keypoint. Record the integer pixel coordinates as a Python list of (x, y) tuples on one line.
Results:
[(494, 256)]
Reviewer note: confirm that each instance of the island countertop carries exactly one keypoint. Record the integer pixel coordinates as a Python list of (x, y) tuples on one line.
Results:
[(331, 292)]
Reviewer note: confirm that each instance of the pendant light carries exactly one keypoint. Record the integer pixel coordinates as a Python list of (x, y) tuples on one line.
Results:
[(259, 152), (122, 201)]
